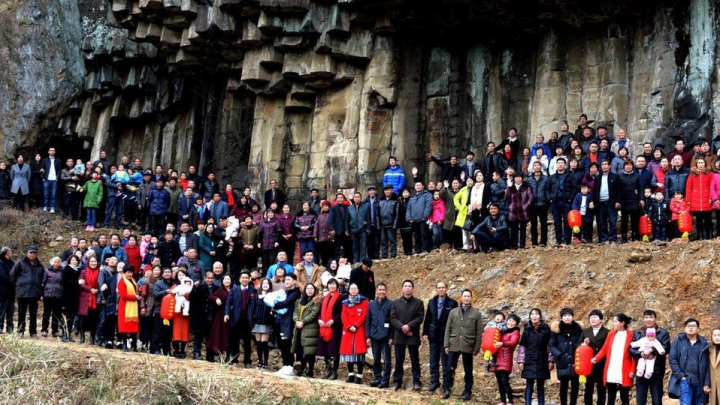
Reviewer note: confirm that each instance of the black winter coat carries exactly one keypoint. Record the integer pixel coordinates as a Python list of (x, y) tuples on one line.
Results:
[(7, 285), (261, 314), (539, 189), (434, 325), (563, 342), (71, 290), (28, 278), (536, 351), (555, 194), (5, 182), (629, 191)]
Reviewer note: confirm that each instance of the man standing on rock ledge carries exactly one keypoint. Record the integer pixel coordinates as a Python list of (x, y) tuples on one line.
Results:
[(406, 315), (436, 318), (50, 169)]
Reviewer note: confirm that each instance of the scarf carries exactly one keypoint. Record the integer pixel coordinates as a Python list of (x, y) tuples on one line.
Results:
[(91, 280), (231, 199), (352, 301), (326, 314), (131, 307)]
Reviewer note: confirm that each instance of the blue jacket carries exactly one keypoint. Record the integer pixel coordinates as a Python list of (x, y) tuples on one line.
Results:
[(679, 350), (377, 317), (576, 205), (394, 177), (185, 207), (118, 252), (289, 269), (110, 294), (358, 218), (545, 148), (539, 189), (284, 322), (217, 210), (233, 305), (159, 201), (419, 207)]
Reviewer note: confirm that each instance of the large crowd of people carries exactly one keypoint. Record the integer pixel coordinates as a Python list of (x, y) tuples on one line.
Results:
[(302, 283)]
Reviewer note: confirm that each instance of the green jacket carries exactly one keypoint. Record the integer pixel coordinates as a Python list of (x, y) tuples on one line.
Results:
[(93, 194), (463, 333), (174, 199), (308, 335)]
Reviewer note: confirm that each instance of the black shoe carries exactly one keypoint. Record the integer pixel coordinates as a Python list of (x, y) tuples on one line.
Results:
[(197, 356), (434, 386), (351, 378), (333, 375), (375, 383), (446, 394), (397, 386), (82, 339), (466, 395), (358, 380), (383, 385)]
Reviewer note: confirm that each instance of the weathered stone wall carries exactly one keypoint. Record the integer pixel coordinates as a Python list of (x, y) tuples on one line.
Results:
[(321, 93)]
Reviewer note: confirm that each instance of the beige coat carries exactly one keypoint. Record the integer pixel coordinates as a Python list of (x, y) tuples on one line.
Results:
[(314, 278), (714, 376)]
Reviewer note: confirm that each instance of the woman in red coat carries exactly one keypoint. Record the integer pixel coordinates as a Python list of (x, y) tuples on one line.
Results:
[(504, 356), (697, 195), (128, 308), (88, 310), (620, 364), (352, 344), (132, 249), (217, 341)]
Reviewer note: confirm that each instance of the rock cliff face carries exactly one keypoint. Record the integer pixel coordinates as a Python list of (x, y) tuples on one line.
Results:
[(319, 93)]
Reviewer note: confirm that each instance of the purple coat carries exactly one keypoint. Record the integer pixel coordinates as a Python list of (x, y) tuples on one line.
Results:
[(520, 201), (269, 232)]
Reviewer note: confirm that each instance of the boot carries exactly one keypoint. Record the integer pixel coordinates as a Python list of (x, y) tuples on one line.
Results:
[(124, 346), (333, 374), (82, 338), (328, 367)]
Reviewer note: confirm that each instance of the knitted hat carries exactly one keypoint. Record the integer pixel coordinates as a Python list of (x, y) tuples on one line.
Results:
[(650, 332), (325, 203)]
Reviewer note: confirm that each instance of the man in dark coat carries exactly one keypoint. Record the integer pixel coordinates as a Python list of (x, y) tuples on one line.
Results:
[(238, 316), (560, 195), (27, 275), (605, 196), (364, 277), (7, 290), (630, 201), (379, 336), (690, 365), (564, 340), (436, 317), (595, 337), (274, 194), (653, 385), (406, 316), (418, 211), (492, 161), (339, 230), (449, 170)]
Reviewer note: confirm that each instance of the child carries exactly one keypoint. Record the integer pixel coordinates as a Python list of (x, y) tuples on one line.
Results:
[(79, 168), (677, 205), (343, 275), (649, 197), (581, 203), (436, 219), (658, 214), (182, 304), (646, 366), (498, 321), (146, 240)]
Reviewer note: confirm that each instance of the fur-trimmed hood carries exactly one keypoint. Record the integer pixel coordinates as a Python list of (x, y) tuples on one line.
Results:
[(555, 326)]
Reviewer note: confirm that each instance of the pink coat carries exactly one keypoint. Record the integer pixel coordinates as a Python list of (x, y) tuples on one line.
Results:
[(438, 211), (715, 187)]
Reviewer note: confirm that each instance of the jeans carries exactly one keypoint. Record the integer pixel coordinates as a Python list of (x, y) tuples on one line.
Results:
[(23, 305), (373, 243), (400, 362), (437, 358), (305, 245), (538, 214), (423, 239), (49, 190), (660, 232), (381, 371), (388, 241), (607, 217), (529, 384), (452, 363), (7, 311), (359, 244), (113, 203), (486, 241), (690, 392), (91, 216), (654, 385), (563, 232), (515, 228), (70, 204), (437, 235)]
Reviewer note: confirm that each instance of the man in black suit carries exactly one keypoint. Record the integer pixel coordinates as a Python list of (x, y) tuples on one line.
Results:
[(274, 194), (436, 318), (605, 196), (338, 230), (238, 316)]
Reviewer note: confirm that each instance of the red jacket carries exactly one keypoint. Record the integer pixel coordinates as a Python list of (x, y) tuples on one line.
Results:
[(628, 364), (134, 258), (697, 191), (353, 342), (660, 179), (676, 207), (504, 355)]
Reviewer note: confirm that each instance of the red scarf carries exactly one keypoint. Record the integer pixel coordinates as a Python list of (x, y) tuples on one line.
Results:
[(231, 199), (508, 155), (326, 314), (91, 279)]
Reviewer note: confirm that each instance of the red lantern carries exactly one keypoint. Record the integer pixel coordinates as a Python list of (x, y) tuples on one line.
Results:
[(167, 308), (646, 228), (490, 336), (583, 364), (575, 220), (685, 223)]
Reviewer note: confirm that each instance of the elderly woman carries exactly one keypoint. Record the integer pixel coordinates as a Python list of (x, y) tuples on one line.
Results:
[(52, 297)]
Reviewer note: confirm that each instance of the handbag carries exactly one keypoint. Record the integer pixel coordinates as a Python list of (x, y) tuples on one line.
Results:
[(467, 226)]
